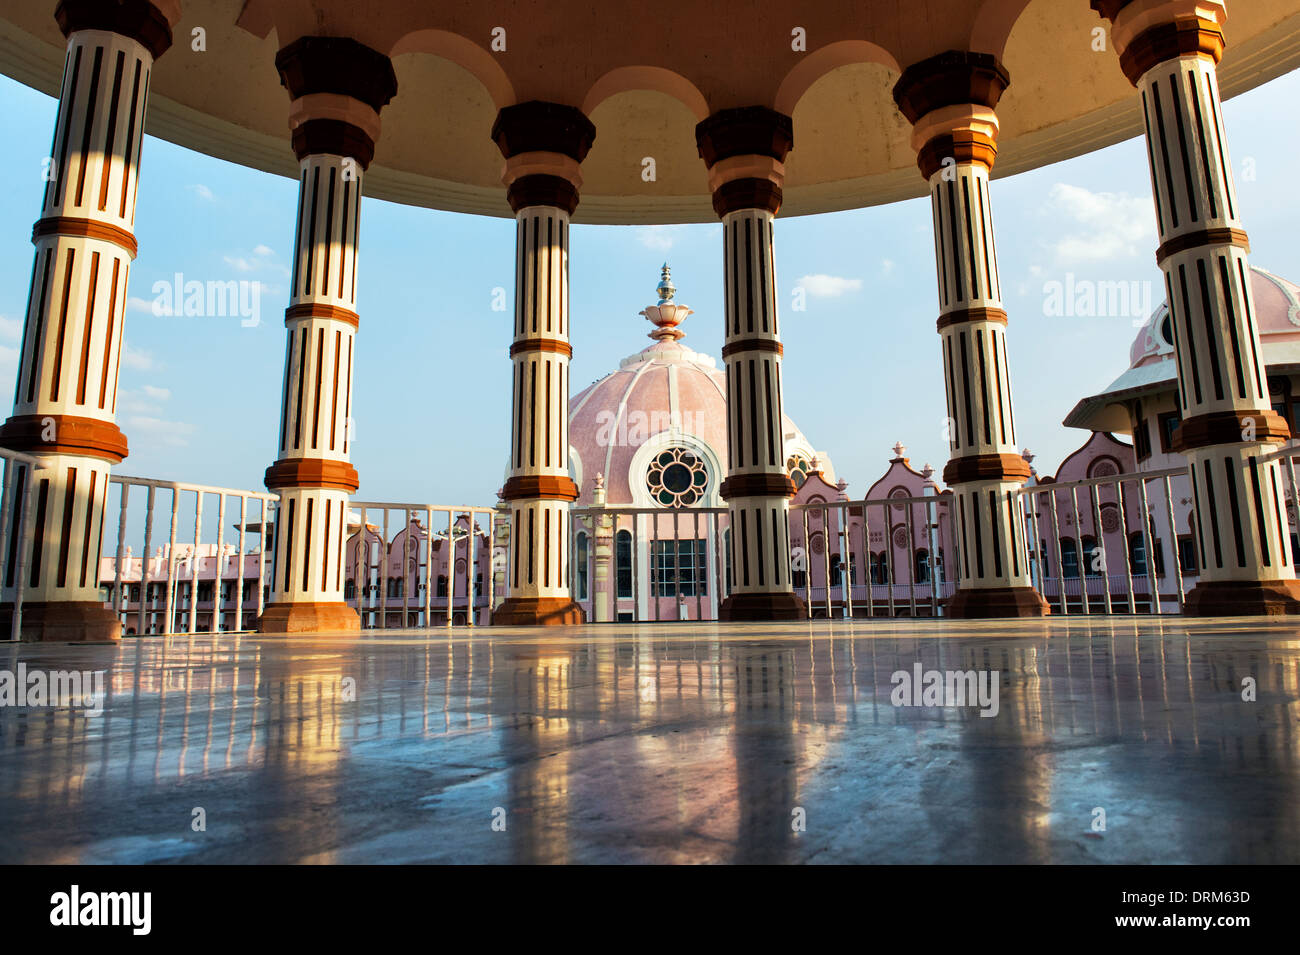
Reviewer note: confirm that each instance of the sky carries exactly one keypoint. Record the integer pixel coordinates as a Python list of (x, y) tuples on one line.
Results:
[(199, 397)]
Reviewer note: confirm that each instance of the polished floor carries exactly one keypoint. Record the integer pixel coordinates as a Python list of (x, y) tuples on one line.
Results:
[(667, 743)]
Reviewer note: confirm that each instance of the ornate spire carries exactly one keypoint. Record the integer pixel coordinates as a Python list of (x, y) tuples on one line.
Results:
[(666, 315), (666, 288)]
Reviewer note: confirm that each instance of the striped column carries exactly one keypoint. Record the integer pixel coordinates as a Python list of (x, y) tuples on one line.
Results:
[(949, 99), (65, 398), (1170, 52), (745, 151), (338, 87), (544, 145)]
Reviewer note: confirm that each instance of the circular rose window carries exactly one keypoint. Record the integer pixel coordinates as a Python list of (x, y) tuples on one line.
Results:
[(677, 478)]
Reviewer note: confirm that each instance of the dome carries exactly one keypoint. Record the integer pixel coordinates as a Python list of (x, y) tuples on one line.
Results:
[(1277, 312), (656, 428)]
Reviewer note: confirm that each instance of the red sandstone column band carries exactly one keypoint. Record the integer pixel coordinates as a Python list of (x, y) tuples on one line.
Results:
[(745, 151), (1170, 51), (949, 99), (338, 87), (543, 145), (66, 397)]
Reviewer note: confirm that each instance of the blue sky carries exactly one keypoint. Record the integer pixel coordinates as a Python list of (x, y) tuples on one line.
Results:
[(199, 396)]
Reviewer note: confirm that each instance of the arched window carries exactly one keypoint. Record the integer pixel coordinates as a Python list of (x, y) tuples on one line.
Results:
[(349, 590), (1069, 559), (580, 545), (623, 562), (837, 572), (1137, 554), (442, 585), (922, 567), (797, 466), (880, 568), (1092, 563)]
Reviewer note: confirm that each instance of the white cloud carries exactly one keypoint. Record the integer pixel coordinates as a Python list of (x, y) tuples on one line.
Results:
[(262, 257), (827, 286), (173, 433), (158, 394), (136, 304), (1102, 226), (8, 362), (202, 191), (887, 266), (137, 360), (10, 329), (660, 237)]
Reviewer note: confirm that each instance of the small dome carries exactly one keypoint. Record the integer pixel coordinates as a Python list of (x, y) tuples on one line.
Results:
[(656, 428), (1277, 312)]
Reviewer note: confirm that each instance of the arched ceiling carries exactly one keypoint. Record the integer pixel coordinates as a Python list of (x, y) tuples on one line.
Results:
[(645, 73)]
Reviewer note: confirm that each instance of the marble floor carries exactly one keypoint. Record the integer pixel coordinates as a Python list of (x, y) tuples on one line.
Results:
[(1114, 740)]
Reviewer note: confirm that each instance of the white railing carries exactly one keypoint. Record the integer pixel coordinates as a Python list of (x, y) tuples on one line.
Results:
[(864, 576), (1105, 510), (665, 563), (173, 575), (387, 567)]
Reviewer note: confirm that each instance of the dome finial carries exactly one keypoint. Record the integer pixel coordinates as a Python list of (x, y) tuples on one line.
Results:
[(666, 289), (666, 315)]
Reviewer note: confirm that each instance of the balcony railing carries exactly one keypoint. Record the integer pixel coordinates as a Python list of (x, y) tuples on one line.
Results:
[(1109, 544), (398, 571)]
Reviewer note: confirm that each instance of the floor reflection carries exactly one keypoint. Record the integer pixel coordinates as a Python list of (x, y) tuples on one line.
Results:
[(667, 744)]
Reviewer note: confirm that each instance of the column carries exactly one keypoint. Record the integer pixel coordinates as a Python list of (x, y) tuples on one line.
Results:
[(65, 398), (1169, 50), (744, 150), (543, 145), (949, 99), (337, 87), (602, 588)]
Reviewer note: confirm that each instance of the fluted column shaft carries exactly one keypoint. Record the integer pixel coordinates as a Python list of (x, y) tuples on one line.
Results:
[(745, 150), (65, 399), (544, 145), (950, 100), (338, 87), (1170, 52)]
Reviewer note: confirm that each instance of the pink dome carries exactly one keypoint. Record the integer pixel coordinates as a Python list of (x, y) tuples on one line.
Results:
[(664, 397), (1277, 313)]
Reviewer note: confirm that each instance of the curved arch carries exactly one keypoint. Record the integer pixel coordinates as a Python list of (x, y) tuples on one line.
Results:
[(623, 79), (994, 23), (821, 61), (467, 54)]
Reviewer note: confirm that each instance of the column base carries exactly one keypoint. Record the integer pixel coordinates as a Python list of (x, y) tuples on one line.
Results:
[(982, 603), (308, 618), (71, 621), (1243, 598), (763, 607), (537, 612)]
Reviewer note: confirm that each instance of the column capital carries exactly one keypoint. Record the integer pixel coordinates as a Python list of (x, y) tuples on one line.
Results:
[(338, 86), (744, 150), (953, 78), (538, 126), (1147, 33), (744, 131), (337, 64), (148, 22), (543, 145), (949, 99)]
